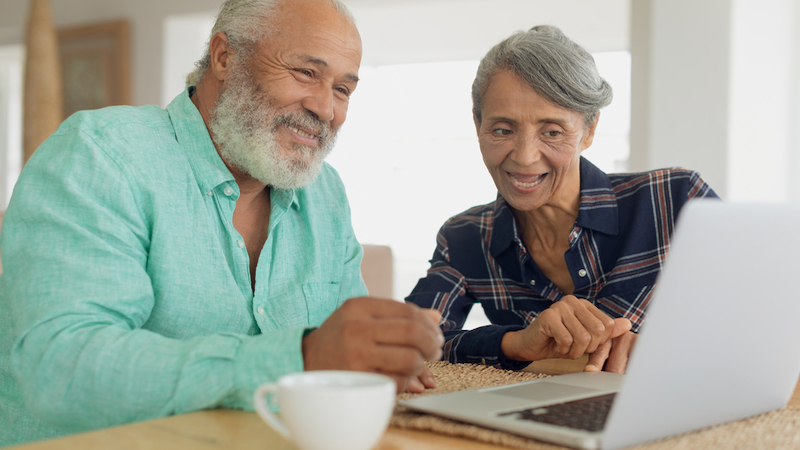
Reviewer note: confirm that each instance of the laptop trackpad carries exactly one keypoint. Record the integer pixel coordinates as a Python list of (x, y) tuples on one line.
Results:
[(541, 391)]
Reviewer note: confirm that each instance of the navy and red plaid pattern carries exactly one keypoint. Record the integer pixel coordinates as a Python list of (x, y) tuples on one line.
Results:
[(618, 245)]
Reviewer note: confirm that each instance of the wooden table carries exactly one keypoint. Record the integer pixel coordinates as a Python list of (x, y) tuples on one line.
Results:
[(238, 430)]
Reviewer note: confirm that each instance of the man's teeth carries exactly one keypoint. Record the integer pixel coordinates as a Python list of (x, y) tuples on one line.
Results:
[(302, 133), (531, 184)]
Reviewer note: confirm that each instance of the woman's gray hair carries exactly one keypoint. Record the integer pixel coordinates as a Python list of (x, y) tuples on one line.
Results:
[(246, 23), (555, 67)]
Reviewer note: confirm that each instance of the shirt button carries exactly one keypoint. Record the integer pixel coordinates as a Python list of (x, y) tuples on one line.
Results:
[(228, 191), (241, 243), (210, 193), (582, 273), (261, 310), (533, 282)]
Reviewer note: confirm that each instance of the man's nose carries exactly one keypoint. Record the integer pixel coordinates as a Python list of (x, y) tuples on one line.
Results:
[(320, 102)]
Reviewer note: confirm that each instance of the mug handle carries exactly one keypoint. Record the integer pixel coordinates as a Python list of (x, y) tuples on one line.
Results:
[(260, 404)]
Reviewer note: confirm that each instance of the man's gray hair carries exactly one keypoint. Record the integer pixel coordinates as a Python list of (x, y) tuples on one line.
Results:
[(246, 23), (555, 67)]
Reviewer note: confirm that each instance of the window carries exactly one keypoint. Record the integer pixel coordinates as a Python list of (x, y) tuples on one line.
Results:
[(11, 74), (409, 157), (185, 39)]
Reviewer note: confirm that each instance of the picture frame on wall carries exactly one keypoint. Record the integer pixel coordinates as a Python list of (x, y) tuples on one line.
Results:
[(95, 65)]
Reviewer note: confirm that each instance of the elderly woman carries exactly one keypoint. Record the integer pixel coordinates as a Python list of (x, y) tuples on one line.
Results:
[(564, 262)]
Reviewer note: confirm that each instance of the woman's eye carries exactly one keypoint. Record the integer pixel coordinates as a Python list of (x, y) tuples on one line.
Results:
[(553, 133)]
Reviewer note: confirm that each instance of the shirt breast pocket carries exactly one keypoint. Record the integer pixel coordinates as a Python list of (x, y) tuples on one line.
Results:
[(321, 300)]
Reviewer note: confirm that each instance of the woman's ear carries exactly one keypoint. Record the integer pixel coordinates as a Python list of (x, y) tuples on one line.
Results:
[(588, 137)]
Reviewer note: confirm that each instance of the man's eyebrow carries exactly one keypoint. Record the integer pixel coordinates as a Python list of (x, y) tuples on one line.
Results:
[(322, 63)]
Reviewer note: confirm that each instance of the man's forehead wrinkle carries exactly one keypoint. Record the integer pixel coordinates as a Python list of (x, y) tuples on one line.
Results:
[(314, 60)]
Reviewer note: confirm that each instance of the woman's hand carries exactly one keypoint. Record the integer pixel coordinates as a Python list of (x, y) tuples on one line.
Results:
[(613, 355), (569, 329)]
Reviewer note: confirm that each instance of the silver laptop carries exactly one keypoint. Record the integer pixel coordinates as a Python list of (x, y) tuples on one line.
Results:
[(721, 342)]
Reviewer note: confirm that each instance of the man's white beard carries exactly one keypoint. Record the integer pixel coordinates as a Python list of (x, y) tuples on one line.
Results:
[(245, 126)]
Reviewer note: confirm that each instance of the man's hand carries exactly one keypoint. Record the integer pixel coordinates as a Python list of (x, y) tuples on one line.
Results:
[(613, 355), (568, 329), (378, 335), (421, 382)]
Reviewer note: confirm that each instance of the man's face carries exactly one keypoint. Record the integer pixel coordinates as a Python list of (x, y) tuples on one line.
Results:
[(278, 115)]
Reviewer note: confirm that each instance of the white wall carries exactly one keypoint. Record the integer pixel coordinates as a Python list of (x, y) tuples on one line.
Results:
[(404, 31), (794, 156), (715, 88), (11, 79), (760, 132), (185, 39)]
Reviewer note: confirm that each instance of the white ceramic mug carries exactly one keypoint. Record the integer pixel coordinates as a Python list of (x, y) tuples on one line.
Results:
[(329, 409)]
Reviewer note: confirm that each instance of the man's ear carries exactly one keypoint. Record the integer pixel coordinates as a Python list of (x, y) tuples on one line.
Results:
[(221, 56), (588, 138)]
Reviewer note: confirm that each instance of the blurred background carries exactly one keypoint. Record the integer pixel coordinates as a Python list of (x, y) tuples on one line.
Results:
[(713, 85)]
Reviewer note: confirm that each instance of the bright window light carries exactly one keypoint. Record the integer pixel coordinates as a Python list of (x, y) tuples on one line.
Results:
[(409, 156)]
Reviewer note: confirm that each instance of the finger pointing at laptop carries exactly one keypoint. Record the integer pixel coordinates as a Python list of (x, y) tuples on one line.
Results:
[(569, 329)]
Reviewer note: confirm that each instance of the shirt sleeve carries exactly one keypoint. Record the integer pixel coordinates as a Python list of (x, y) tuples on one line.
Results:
[(698, 188), (75, 253), (446, 290)]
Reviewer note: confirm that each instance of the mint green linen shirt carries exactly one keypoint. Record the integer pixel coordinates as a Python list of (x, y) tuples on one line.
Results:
[(126, 290)]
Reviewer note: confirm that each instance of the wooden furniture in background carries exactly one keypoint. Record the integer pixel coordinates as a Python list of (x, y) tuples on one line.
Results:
[(377, 268), (95, 61), (43, 89)]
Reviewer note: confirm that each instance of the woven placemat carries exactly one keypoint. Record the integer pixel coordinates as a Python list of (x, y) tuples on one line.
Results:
[(776, 430)]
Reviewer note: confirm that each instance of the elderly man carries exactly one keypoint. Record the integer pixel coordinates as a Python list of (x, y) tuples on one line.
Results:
[(164, 261)]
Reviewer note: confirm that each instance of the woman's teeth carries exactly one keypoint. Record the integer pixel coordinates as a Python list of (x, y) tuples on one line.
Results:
[(529, 181)]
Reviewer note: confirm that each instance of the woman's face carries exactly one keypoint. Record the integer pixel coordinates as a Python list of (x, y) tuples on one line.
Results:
[(531, 146)]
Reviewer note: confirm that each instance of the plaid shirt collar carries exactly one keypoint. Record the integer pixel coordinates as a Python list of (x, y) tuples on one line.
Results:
[(598, 210)]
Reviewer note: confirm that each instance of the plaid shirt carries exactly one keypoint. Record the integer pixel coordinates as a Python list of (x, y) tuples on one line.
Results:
[(617, 247)]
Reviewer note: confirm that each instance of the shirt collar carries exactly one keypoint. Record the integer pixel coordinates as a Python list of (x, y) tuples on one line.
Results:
[(598, 209), (209, 169), (193, 137)]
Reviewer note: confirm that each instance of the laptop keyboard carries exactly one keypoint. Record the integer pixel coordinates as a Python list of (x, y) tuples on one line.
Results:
[(585, 414)]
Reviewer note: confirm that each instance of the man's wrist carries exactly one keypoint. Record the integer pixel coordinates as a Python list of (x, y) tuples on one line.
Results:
[(304, 345)]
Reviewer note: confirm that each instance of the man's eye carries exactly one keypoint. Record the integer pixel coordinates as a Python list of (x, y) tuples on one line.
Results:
[(501, 131), (305, 72), (553, 133), (344, 91)]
